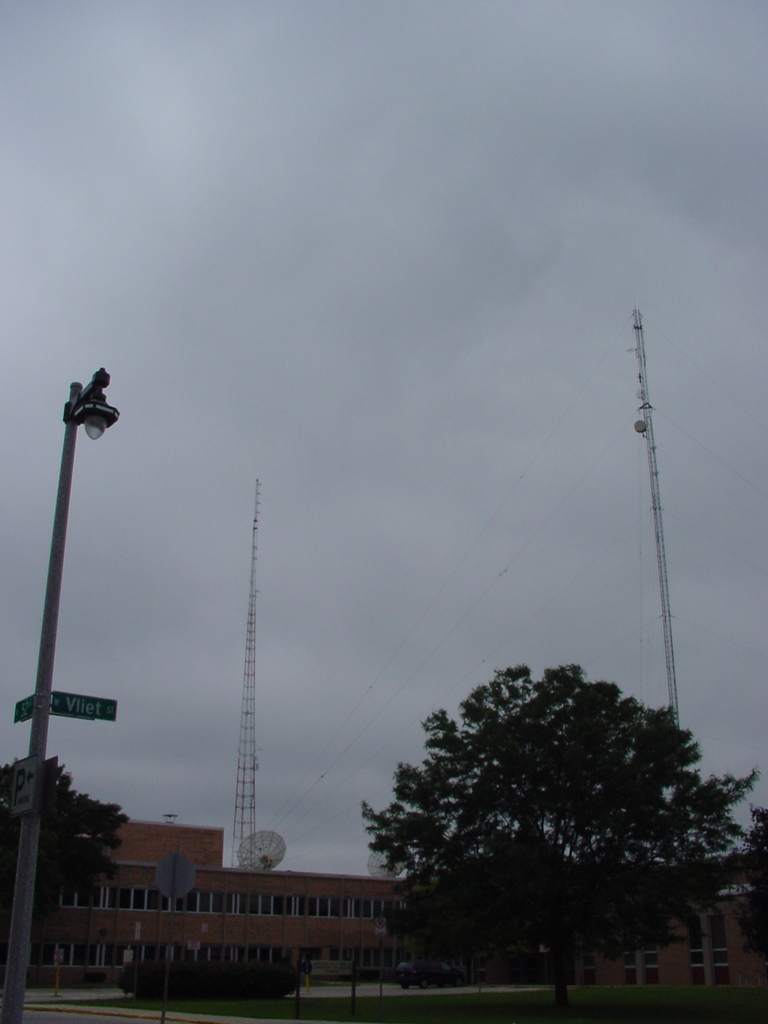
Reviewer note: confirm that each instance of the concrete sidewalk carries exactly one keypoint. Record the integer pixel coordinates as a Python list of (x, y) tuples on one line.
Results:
[(73, 1014)]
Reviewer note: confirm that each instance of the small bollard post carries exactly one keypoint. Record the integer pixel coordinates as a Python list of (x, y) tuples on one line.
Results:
[(381, 979)]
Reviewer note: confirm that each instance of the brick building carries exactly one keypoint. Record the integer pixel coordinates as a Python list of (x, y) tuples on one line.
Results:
[(231, 914), (236, 914), (711, 952)]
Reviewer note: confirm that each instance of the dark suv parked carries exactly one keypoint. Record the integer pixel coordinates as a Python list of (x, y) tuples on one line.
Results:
[(427, 972)]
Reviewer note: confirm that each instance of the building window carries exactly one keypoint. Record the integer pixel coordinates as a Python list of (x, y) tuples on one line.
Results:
[(720, 970), (376, 908), (267, 904), (588, 967), (105, 897), (171, 952), (236, 903), (696, 947), (296, 906), (204, 902), (352, 907), (630, 969), (101, 955), (651, 964), (137, 898), (68, 898), (266, 954)]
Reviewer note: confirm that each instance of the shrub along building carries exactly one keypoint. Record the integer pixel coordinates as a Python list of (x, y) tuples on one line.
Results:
[(236, 914)]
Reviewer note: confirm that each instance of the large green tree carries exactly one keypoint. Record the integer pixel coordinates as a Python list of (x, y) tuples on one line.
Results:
[(556, 813), (752, 912), (73, 843)]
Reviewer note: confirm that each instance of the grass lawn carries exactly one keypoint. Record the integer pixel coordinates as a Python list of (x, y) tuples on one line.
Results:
[(642, 1005)]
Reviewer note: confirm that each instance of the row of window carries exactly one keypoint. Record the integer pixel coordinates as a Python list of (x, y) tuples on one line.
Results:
[(110, 897), (72, 954), (109, 954)]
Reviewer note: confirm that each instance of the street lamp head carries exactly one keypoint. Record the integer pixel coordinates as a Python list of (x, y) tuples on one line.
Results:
[(95, 426), (92, 408)]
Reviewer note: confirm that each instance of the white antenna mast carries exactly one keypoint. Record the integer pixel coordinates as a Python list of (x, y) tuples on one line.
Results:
[(645, 426), (247, 761)]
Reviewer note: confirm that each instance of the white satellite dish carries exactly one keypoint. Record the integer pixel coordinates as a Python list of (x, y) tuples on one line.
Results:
[(261, 851), (377, 866)]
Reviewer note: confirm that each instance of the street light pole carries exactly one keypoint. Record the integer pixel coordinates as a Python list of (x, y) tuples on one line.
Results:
[(84, 406)]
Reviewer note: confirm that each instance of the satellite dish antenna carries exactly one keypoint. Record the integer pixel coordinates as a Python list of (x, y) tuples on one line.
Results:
[(640, 426), (378, 867), (261, 851)]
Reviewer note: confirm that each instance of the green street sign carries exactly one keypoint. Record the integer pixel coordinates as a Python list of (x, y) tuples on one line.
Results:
[(24, 709), (71, 705), (77, 705)]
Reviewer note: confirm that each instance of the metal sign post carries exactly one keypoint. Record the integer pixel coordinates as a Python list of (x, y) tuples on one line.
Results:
[(306, 969), (58, 956), (174, 877), (297, 1002), (380, 929)]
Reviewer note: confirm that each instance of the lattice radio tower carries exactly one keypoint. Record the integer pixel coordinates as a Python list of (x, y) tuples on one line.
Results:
[(645, 426), (247, 761)]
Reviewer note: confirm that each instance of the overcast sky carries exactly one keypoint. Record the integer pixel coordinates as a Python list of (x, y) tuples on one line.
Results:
[(382, 256)]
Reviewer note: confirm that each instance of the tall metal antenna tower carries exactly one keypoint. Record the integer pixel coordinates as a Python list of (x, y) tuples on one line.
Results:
[(247, 761), (645, 426)]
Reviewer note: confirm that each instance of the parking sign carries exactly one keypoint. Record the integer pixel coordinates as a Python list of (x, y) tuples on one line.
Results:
[(24, 786)]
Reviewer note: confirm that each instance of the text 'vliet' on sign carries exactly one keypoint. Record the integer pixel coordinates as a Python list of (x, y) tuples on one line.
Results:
[(77, 705)]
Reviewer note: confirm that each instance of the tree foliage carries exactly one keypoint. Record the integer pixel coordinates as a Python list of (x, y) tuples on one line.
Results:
[(752, 913), (555, 813), (72, 843)]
